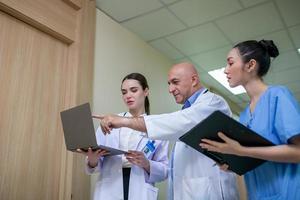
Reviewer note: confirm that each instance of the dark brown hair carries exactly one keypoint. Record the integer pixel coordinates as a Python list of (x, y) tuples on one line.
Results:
[(143, 82)]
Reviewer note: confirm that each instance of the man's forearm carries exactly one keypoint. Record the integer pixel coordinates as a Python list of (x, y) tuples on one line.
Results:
[(136, 123)]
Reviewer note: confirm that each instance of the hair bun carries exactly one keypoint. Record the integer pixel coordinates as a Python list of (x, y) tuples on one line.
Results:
[(270, 47)]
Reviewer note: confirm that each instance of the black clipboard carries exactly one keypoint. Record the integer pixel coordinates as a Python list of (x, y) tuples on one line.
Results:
[(219, 122)]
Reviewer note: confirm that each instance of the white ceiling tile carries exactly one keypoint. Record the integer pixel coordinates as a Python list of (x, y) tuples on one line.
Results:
[(163, 46), (154, 25), (212, 59), (198, 39), (290, 11), (248, 3), (294, 86), (252, 22), (206, 46), (122, 10), (194, 12), (287, 76), (270, 77), (185, 59), (169, 1), (295, 33), (297, 96), (280, 38), (285, 61), (199, 68)]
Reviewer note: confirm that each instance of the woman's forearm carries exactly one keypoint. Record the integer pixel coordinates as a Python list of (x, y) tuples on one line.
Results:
[(280, 153)]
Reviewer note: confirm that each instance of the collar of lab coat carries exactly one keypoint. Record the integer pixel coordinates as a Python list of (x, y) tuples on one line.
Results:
[(128, 114)]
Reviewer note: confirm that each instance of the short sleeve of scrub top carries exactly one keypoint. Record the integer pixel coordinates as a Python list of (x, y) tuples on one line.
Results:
[(287, 115)]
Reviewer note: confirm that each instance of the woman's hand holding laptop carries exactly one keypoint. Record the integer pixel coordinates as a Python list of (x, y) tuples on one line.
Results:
[(93, 156)]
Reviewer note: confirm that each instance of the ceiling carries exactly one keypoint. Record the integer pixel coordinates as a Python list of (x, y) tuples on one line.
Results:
[(203, 31)]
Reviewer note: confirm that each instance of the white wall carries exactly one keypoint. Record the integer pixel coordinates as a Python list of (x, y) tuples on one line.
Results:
[(119, 52)]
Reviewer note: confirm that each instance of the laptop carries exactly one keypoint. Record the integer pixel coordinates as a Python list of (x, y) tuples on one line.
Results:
[(219, 122), (79, 130)]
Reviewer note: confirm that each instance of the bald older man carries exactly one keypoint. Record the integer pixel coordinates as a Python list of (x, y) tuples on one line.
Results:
[(193, 176)]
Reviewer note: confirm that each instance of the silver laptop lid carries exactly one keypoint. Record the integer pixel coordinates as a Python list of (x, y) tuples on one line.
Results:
[(78, 127)]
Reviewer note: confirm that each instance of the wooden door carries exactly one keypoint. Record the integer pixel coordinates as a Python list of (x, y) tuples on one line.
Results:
[(44, 68)]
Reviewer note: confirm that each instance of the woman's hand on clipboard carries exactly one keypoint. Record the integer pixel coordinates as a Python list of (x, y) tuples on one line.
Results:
[(229, 146)]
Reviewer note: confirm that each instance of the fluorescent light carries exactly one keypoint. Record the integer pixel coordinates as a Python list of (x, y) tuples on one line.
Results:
[(299, 50), (219, 75)]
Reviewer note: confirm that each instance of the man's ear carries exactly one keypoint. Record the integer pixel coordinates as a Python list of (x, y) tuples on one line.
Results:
[(195, 80), (251, 65)]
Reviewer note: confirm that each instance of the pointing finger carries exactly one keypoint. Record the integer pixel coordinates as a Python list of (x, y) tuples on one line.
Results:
[(97, 116)]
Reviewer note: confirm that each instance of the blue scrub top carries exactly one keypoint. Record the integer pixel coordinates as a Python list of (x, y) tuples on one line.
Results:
[(277, 118)]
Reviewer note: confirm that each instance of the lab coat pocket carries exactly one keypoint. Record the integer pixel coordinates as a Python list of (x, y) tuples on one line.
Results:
[(152, 192), (198, 188)]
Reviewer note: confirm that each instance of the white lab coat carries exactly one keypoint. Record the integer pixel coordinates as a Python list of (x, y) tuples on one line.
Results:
[(194, 176), (109, 185)]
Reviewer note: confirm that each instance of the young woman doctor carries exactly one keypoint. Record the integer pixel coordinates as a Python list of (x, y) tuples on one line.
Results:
[(131, 176), (274, 113)]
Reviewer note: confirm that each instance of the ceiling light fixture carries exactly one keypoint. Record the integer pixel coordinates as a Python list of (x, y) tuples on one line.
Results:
[(219, 75)]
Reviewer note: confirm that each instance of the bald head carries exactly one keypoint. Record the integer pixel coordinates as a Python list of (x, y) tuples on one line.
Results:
[(185, 68), (183, 80)]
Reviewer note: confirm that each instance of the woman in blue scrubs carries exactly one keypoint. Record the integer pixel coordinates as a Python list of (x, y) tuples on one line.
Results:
[(274, 113)]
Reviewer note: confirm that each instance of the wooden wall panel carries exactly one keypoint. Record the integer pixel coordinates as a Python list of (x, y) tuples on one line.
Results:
[(33, 71), (54, 17), (40, 75), (85, 57), (76, 4)]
